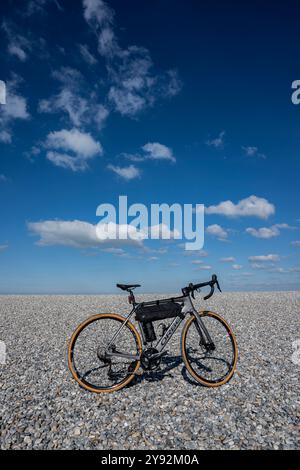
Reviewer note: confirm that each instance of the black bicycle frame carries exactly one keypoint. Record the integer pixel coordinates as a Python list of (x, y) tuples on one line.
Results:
[(187, 308)]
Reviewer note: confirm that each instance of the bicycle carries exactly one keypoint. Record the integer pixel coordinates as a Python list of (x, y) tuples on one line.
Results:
[(106, 351)]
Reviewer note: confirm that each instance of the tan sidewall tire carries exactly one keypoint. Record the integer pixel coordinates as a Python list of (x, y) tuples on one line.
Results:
[(74, 337), (190, 370)]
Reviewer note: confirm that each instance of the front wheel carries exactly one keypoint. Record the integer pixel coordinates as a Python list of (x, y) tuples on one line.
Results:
[(208, 366), (101, 357)]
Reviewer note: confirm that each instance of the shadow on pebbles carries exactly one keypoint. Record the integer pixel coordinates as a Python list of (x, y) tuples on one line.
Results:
[(42, 407)]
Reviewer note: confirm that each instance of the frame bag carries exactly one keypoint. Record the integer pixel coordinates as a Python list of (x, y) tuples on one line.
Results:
[(146, 314)]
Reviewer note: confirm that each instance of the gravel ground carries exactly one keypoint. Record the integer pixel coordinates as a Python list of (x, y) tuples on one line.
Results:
[(42, 407)]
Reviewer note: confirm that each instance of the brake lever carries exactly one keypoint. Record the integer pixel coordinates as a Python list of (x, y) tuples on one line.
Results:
[(192, 291)]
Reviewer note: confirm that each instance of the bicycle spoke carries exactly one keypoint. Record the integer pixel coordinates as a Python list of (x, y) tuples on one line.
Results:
[(92, 363), (211, 366)]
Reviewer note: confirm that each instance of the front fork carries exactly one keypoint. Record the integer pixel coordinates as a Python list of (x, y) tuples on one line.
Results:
[(205, 338)]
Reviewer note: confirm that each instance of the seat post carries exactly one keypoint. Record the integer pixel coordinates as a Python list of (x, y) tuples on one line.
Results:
[(131, 297)]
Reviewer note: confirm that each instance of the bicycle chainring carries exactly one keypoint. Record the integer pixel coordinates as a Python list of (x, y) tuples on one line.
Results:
[(149, 362)]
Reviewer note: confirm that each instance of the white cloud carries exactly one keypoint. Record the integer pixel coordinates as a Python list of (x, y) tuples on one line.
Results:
[(3, 247), (296, 243), (115, 232), (250, 151), (2, 92), (35, 6), (218, 142), (161, 231), (18, 45), (68, 102), (267, 232), (74, 100), (107, 43), (114, 251), (204, 267), (229, 259), (5, 137), (253, 152), (68, 76), (156, 151), (100, 113), (79, 234), (294, 269), (173, 87), (39, 7), (133, 157), (276, 269), (152, 151), (81, 145), (262, 258), (259, 266), (217, 231), (252, 206), (16, 50), (263, 232), (128, 173), (134, 85), (279, 270), (74, 140), (200, 253), (97, 11), (87, 55), (3, 178), (14, 109), (66, 161), (126, 102), (160, 251), (33, 153), (237, 266)]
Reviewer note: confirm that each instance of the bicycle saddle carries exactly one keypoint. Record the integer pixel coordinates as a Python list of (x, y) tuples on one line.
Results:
[(128, 286)]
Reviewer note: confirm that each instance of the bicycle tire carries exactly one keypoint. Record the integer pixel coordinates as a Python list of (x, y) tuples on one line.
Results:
[(200, 379), (72, 344)]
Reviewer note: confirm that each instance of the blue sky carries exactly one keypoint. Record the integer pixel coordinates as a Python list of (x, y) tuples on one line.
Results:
[(165, 102)]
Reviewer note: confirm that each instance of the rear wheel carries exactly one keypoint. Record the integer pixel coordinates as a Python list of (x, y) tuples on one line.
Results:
[(89, 363), (211, 368)]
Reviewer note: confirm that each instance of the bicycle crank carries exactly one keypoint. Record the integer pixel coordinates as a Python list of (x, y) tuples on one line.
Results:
[(151, 359)]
